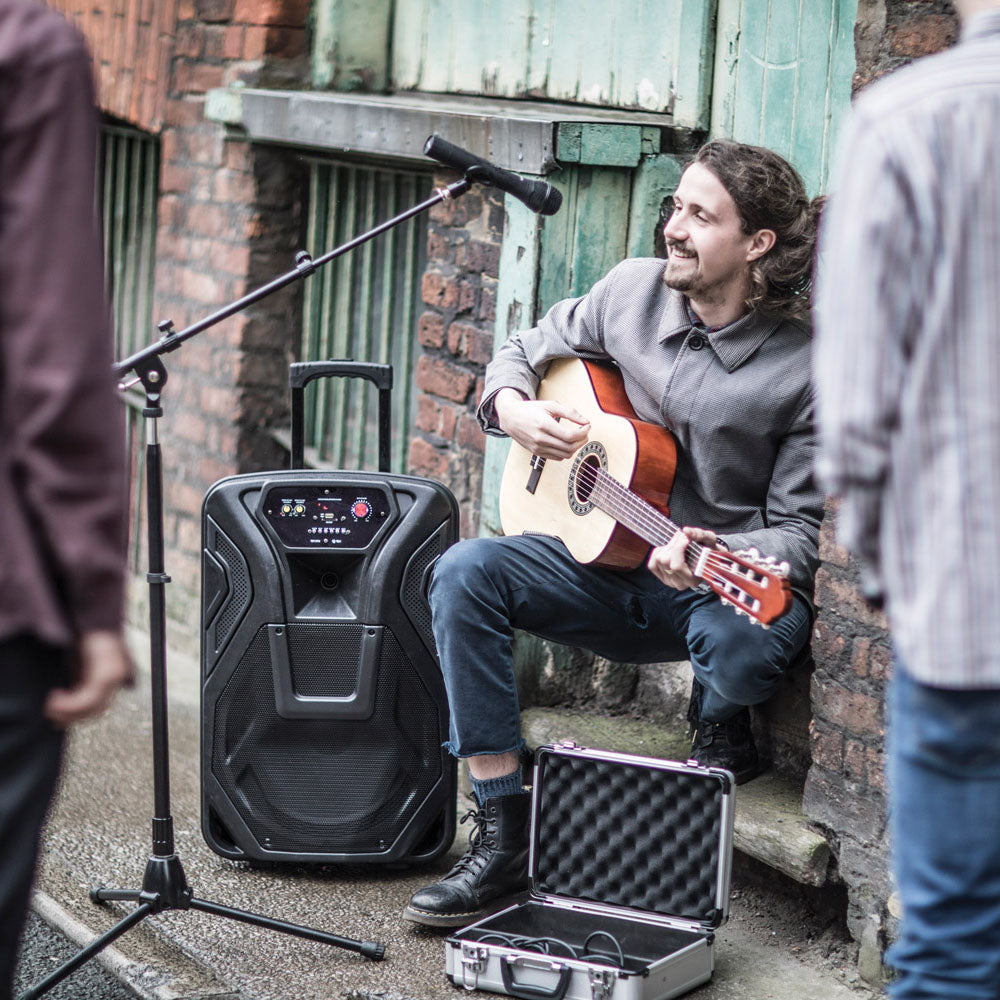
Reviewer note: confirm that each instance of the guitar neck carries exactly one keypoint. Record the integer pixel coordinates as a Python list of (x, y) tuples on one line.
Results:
[(641, 517)]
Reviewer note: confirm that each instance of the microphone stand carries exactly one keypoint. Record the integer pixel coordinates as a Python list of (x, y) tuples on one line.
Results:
[(164, 884)]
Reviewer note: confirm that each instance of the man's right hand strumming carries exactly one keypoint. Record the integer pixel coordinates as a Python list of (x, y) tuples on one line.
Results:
[(546, 428)]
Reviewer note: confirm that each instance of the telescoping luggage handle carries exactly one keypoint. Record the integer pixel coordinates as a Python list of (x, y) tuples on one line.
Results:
[(302, 373)]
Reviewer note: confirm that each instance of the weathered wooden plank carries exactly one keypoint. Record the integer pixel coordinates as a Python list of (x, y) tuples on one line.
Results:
[(653, 55), (350, 49), (517, 296), (783, 77), (653, 182), (599, 144)]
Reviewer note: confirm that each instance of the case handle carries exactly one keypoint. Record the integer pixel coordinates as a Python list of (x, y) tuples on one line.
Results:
[(525, 990), (301, 373)]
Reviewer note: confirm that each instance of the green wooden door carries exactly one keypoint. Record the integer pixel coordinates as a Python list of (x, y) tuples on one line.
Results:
[(783, 77)]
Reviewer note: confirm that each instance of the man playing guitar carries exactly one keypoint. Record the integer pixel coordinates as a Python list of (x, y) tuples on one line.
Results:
[(714, 345)]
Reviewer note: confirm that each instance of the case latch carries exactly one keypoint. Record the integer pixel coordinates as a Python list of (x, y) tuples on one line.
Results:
[(602, 983), (474, 961)]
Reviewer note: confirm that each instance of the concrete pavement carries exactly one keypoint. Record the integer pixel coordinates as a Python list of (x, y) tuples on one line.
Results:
[(99, 833)]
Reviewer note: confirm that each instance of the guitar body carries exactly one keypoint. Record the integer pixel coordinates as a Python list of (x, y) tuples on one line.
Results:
[(639, 455)]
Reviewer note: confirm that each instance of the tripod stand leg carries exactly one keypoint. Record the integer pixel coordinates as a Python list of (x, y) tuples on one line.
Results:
[(139, 913), (104, 895), (374, 950)]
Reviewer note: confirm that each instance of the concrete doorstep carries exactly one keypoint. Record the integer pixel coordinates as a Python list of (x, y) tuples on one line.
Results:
[(99, 834)]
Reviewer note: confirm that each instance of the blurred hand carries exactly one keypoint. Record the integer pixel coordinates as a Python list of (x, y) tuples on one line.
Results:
[(103, 665), (667, 562), (543, 427)]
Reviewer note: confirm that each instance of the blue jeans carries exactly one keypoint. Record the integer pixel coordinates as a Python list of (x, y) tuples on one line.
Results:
[(484, 588), (944, 787)]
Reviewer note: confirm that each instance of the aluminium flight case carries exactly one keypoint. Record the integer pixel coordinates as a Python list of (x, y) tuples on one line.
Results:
[(630, 869)]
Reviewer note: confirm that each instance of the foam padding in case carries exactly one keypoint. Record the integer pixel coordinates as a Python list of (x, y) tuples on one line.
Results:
[(629, 835)]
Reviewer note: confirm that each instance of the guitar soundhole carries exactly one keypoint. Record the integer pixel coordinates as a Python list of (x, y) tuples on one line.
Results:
[(589, 462), (586, 478)]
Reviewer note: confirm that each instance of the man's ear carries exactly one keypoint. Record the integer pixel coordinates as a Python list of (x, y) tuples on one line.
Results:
[(760, 243)]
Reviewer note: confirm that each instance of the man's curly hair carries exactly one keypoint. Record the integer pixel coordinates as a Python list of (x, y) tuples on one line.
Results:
[(769, 194)]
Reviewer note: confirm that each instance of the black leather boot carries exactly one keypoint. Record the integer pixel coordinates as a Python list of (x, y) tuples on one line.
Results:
[(728, 744), (494, 866)]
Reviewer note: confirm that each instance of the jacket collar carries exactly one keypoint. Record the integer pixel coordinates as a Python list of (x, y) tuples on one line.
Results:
[(733, 345)]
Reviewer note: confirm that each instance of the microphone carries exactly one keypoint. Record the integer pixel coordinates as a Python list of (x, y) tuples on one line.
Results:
[(537, 195)]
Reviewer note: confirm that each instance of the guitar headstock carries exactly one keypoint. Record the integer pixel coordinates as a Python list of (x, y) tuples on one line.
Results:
[(754, 585)]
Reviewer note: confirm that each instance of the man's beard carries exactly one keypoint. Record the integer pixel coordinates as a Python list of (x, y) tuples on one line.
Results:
[(686, 282)]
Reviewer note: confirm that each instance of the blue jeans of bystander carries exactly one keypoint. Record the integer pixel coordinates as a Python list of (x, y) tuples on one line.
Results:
[(944, 791), (484, 588)]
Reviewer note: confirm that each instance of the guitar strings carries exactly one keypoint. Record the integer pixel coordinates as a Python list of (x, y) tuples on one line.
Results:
[(644, 515)]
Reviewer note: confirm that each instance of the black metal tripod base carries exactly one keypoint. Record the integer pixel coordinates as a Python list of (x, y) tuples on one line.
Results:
[(164, 887)]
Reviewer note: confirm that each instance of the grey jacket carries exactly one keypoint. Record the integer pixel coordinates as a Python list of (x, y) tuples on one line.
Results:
[(738, 401)]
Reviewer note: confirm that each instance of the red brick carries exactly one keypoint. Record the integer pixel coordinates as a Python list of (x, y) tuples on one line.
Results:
[(479, 346), (443, 379), (854, 760), (487, 304), (829, 550), (425, 460), (875, 769), (470, 435), (438, 247), (428, 416), (837, 594), (196, 78), (459, 336), (466, 297), (922, 35), (254, 42), (860, 654), (827, 645), (827, 748), (449, 418), (213, 11), (855, 713), (437, 290), (483, 258), (879, 662), (201, 287), (430, 330), (285, 43)]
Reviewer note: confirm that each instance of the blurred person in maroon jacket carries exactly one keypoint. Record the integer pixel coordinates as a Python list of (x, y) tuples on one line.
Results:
[(62, 462)]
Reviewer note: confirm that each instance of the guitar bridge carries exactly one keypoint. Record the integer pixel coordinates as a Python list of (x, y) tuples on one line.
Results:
[(536, 464)]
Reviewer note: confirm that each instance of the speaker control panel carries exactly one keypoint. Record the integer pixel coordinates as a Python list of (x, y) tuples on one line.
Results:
[(307, 516)]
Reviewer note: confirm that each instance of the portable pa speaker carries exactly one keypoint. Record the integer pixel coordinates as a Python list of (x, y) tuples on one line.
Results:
[(323, 706)]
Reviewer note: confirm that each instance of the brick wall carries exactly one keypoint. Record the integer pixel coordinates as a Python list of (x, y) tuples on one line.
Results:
[(845, 788), (455, 333), (229, 221)]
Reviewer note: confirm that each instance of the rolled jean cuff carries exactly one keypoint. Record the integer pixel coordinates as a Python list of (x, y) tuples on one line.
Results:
[(463, 755)]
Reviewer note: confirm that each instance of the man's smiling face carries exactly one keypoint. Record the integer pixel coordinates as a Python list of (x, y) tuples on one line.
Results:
[(708, 254)]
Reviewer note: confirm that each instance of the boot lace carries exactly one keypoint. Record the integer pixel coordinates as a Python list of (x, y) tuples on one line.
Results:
[(480, 845)]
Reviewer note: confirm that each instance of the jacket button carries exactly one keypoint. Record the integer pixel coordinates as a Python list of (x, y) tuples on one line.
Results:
[(697, 342)]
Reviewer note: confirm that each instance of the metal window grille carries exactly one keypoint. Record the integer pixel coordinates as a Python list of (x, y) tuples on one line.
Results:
[(362, 306), (128, 175)]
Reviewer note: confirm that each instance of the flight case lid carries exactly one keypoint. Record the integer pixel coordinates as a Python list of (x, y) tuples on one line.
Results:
[(631, 832)]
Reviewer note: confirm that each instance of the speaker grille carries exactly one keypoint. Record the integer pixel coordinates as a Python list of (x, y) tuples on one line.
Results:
[(325, 661), (327, 786), (239, 587), (412, 594)]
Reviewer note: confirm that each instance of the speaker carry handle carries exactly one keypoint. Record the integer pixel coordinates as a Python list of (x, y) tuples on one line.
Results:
[(289, 704), (302, 373)]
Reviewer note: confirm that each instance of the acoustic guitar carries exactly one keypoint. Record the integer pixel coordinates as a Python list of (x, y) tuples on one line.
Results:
[(608, 501)]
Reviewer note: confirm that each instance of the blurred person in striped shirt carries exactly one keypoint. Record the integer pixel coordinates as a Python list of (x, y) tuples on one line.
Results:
[(907, 366)]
